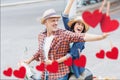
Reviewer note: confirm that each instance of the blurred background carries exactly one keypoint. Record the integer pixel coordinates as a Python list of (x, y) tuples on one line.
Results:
[(20, 26), (84, 2)]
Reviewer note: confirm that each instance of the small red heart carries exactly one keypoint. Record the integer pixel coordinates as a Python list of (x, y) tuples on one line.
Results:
[(81, 62), (20, 73), (40, 67), (100, 54), (113, 54), (68, 62), (92, 19), (108, 25), (8, 72), (53, 67)]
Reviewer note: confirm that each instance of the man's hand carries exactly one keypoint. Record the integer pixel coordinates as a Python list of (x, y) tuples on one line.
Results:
[(27, 61), (104, 35)]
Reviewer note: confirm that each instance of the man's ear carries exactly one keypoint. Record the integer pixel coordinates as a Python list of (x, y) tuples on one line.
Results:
[(45, 21)]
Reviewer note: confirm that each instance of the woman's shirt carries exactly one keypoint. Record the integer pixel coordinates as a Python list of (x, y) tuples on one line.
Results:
[(74, 50)]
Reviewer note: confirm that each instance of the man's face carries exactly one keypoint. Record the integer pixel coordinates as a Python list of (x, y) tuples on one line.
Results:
[(51, 24)]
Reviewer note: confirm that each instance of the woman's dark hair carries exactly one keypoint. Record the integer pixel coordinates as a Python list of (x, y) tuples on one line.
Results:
[(73, 25)]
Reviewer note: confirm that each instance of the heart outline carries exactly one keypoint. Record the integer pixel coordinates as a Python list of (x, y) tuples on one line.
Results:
[(108, 25), (41, 67), (92, 19), (8, 72), (68, 62), (113, 54), (100, 54), (53, 68), (20, 73), (81, 61)]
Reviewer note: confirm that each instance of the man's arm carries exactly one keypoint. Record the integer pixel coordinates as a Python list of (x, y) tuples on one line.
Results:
[(83, 37), (93, 37), (29, 60), (37, 55)]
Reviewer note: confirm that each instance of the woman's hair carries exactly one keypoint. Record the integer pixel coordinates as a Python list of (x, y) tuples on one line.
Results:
[(73, 25)]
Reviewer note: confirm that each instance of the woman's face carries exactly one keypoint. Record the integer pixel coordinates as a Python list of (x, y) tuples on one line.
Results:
[(78, 28)]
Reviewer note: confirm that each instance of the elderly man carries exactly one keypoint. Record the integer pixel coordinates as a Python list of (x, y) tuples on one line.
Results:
[(54, 45)]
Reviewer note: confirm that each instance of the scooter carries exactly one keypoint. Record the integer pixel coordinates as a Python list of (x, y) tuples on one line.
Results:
[(31, 72)]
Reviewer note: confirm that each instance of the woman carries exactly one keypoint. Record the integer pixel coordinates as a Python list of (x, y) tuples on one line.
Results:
[(76, 25)]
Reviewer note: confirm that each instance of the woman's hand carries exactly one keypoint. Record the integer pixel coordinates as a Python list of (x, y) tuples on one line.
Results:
[(108, 8), (48, 62), (68, 7), (102, 6)]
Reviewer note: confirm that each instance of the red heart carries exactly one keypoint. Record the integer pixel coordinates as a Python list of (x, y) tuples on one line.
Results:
[(20, 73), (40, 67), (53, 67), (92, 19), (100, 54), (108, 25), (113, 54), (8, 72), (81, 62), (68, 62)]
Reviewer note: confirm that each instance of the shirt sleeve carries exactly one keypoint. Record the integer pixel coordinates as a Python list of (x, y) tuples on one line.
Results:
[(38, 54), (65, 21), (74, 37)]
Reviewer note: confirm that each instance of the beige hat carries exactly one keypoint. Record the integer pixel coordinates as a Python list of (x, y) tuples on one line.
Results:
[(78, 19), (48, 14)]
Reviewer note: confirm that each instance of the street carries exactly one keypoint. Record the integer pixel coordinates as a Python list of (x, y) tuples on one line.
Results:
[(20, 26)]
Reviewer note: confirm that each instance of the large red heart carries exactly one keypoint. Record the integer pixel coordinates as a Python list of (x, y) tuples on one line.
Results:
[(20, 73), (113, 54), (68, 62), (108, 25), (53, 67), (81, 62), (8, 72), (100, 54), (40, 67), (92, 19)]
